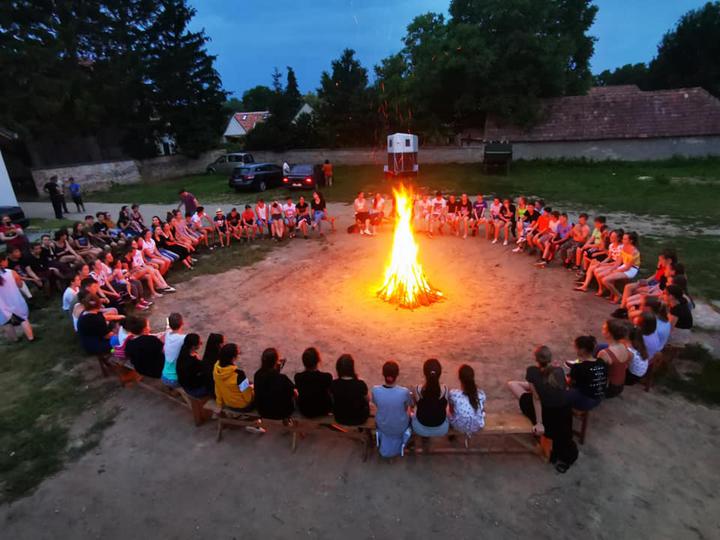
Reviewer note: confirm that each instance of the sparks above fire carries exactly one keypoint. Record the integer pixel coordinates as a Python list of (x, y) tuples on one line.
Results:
[(405, 282)]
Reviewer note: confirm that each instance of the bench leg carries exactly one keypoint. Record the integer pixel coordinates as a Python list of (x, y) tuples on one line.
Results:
[(104, 367), (293, 444), (220, 428)]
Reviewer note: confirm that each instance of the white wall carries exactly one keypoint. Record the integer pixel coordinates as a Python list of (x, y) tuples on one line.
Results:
[(7, 194)]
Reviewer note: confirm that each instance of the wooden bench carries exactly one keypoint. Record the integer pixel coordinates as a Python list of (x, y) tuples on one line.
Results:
[(297, 426), (503, 433)]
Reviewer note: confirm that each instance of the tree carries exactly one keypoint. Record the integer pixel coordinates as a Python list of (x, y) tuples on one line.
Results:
[(257, 98), (292, 92), (637, 74), (494, 56), (347, 112), (106, 73), (688, 55), (186, 90)]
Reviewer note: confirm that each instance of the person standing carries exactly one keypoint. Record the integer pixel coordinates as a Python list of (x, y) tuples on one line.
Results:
[(328, 172), (76, 195), (51, 188), (63, 200), (189, 201)]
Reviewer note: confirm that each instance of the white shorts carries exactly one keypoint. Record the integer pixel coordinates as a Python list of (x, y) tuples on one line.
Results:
[(631, 273)]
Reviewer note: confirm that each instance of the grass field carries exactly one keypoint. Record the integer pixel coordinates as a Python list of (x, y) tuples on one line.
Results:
[(678, 191)]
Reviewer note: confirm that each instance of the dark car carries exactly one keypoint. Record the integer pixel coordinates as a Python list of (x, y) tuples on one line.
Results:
[(303, 176), (256, 176), (16, 215)]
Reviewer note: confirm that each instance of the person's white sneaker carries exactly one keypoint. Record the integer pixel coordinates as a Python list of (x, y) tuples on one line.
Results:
[(255, 429), (517, 250), (505, 243), (494, 241), (169, 289), (362, 232), (158, 295)]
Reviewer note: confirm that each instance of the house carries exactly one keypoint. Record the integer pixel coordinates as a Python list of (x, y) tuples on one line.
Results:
[(617, 122), (305, 109), (241, 123)]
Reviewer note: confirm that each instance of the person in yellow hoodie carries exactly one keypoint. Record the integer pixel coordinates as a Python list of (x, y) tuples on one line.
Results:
[(232, 388)]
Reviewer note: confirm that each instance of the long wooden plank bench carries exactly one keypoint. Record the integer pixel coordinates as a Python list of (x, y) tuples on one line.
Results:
[(297, 426), (503, 433)]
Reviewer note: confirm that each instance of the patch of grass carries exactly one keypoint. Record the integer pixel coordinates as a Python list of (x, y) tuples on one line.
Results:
[(40, 399), (42, 225), (607, 185), (703, 384), (699, 254), (91, 438)]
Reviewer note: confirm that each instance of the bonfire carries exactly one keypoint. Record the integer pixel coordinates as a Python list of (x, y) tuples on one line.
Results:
[(405, 282)]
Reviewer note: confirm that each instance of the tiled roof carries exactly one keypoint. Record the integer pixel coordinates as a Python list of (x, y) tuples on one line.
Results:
[(618, 112), (248, 120)]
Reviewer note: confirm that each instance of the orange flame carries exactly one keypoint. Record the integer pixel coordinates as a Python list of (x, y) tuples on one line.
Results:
[(405, 282)]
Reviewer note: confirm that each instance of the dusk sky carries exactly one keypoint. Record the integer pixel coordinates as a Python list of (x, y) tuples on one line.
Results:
[(251, 37)]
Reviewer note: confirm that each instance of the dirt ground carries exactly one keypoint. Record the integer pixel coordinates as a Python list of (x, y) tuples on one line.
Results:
[(650, 466)]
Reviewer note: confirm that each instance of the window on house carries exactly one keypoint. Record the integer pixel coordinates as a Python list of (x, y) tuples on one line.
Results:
[(407, 143)]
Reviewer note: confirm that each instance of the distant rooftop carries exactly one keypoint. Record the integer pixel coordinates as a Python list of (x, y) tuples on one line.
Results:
[(617, 112)]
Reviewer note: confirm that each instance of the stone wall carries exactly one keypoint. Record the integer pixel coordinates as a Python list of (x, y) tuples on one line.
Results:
[(91, 176), (101, 176), (371, 156), (626, 150), (623, 150), (173, 166)]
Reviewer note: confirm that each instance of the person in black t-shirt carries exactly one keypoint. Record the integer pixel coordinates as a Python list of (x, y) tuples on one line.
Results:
[(145, 352), (194, 376), (588, 375), (56, 197), (680, 310), (92, 328), (350, 401), (543, 398), (274, 391), (313, 386), (302, 215)]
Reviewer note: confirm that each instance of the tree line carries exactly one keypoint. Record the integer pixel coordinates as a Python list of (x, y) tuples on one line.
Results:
[(688, 55), (117, 74)]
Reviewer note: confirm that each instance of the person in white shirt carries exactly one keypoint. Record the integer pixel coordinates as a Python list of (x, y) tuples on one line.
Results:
[(69, 298), (203, 225), (173, 341), (286, 168), (377, 211), (362, 214), (289, 212), (438, 208)]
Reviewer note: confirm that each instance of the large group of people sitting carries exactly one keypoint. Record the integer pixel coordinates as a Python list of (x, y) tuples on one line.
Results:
[(112, 265), (128, 259)]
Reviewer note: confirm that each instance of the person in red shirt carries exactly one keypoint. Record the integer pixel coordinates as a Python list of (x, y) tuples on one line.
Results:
[(13, 235), (248, 222), (328, 172)]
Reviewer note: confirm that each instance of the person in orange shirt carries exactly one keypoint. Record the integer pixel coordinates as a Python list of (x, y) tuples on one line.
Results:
[(328, 172), (540, 228)]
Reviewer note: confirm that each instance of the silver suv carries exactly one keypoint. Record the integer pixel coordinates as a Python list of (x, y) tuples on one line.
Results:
[(227, 163)]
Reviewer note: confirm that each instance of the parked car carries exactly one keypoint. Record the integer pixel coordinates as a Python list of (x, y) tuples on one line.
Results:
[(227, 163), (16, 215), (256, 176), (303, 176)]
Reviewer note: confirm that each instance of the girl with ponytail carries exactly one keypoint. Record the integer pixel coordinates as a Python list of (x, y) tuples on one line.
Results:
[(431, 401), (467, 404)]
